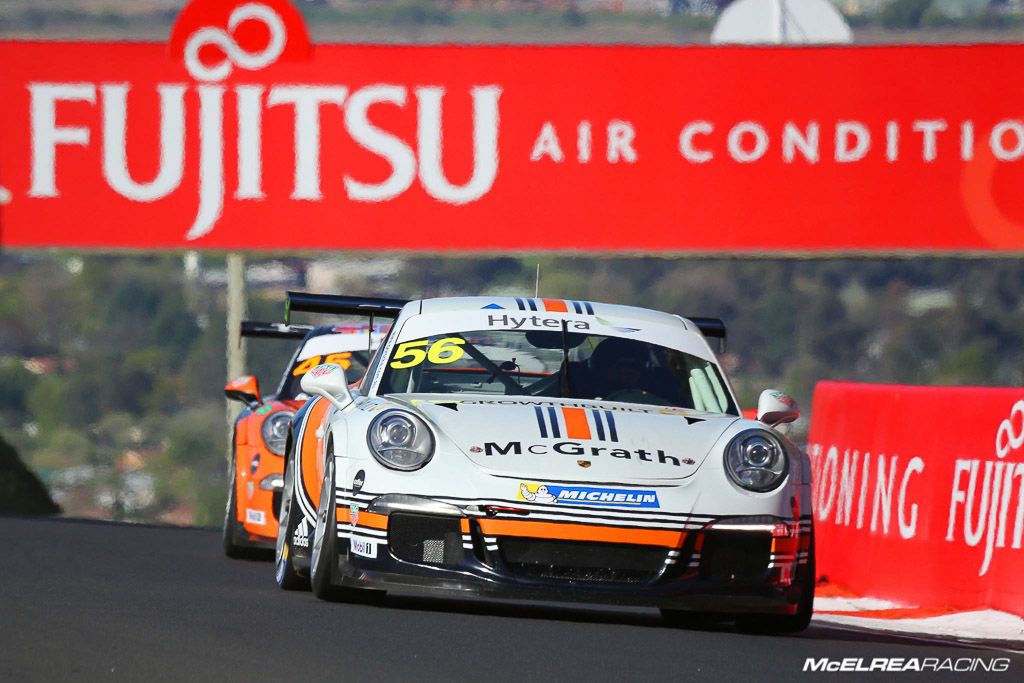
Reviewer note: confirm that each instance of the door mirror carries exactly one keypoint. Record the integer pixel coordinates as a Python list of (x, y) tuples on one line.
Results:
[(245, 389), (775, 408), (328, 380)]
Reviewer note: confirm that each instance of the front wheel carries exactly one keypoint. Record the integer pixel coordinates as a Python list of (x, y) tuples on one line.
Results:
[(284, 564), (233, 532), (787, 623), (325, 540), (324, 561)]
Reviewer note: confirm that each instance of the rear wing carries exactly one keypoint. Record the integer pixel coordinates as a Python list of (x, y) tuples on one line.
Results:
[(337, 304), (255, 328), (713, 328)]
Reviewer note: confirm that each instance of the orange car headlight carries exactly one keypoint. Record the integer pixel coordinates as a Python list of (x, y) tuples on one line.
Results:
[(275, 431)]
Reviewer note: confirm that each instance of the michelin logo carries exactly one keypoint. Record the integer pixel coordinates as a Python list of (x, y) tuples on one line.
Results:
[(587, 495)]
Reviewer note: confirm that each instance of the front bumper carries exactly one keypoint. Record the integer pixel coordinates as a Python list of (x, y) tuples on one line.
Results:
[(259, 484), (737, 565)]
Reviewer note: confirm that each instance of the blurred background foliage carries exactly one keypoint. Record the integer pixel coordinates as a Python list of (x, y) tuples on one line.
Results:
[(112, 367), (669, 22)]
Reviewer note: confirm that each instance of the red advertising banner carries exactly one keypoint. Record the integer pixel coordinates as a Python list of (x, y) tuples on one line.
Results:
[(240, 134), (918, 493)]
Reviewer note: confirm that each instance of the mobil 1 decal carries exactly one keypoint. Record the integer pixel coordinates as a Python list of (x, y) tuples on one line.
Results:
[(576, 423)]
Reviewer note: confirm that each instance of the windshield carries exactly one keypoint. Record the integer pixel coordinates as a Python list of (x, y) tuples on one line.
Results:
[(548, 363)]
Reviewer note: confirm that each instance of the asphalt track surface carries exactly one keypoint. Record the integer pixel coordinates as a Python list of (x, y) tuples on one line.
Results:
[(86, 600)]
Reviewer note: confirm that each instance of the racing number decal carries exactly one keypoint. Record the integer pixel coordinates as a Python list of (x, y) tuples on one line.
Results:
[(305, 366), (441, 352)]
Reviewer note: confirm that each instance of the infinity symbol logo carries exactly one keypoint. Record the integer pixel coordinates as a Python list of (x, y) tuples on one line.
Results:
[(234, 54), (1009, 437)]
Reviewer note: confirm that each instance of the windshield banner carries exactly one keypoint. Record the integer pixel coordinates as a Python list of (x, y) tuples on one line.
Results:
[(915, 507), (239, 133)]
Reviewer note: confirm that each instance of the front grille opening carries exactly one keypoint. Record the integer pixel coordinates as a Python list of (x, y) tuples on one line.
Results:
[(734, 556), (425, 539), (581, 561), (479, 547)]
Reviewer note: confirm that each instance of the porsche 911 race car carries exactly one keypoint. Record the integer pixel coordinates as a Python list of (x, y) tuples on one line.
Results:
[(260, 432), (548, 449)]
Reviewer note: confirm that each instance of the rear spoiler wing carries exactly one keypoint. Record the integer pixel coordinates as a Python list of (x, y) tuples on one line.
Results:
[(337, 304), (711, 327), (255, 328)]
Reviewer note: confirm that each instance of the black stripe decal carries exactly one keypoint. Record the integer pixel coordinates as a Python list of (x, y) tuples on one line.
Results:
[(519, 302), (590, 309), (532, 304), (598, 423), (555, 433), (577, 307), (540, 422), (611, 425)]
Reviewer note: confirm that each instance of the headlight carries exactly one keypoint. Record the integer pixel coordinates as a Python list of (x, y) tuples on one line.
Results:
[(400, 440), (756, 460), (275, 431)]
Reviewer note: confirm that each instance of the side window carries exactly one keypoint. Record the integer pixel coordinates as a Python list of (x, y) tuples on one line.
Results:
[(708, 390), (697, 383)]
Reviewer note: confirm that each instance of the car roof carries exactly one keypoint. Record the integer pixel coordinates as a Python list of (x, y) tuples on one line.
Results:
[(535, 306)]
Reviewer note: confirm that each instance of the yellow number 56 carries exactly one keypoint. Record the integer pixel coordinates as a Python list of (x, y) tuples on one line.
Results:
[(441, 352)]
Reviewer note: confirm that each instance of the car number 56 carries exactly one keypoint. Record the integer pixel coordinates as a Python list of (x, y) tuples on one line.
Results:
[(441, 352)]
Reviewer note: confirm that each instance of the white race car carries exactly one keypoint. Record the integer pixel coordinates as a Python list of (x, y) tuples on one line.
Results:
[(547, 449)]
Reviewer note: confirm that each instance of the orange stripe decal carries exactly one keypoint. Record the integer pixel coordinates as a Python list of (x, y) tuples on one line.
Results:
[(581, 532), (555, 306), (312, 467), (342, 515), (373, 520), (464, 525), (576, 426)]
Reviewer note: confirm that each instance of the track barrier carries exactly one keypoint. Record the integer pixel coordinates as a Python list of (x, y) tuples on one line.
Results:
[(919, 493)]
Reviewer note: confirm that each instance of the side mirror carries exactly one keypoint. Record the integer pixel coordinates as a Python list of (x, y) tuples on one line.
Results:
[(329, 381), (775, 408), (245, 389)]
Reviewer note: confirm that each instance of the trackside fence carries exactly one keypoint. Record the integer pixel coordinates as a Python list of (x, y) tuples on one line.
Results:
[(919, 493)]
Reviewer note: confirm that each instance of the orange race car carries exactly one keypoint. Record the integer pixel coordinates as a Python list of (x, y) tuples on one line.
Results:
[(261, 430)]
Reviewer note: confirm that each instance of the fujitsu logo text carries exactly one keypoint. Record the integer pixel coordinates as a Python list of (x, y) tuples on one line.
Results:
[(407, 162)]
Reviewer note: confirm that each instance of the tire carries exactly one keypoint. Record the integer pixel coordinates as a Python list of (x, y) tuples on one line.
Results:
[(232, 532), (284, 567), (324, 561), (786, 623)]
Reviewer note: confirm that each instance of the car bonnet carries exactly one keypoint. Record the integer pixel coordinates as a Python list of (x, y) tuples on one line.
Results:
[(574, 440)]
